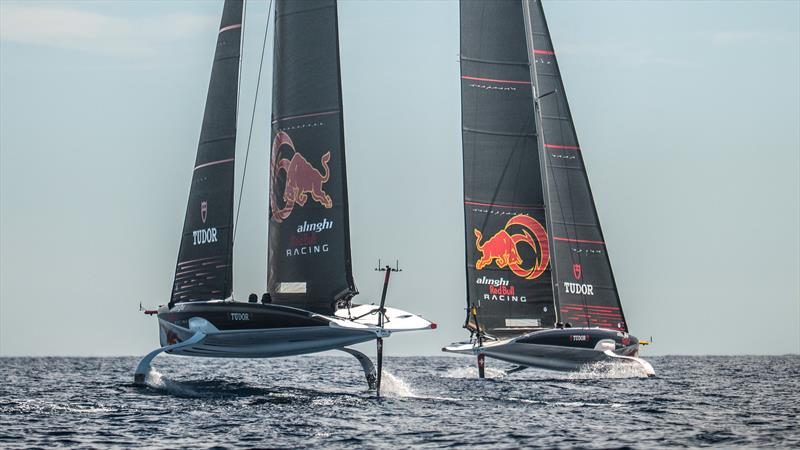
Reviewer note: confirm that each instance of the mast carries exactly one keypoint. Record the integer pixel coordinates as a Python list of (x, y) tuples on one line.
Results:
[(309, 263), (507, 246), (204, 268), (586, 292), (542, 154)]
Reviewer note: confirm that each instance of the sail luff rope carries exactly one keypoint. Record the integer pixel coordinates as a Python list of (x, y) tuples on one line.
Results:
[(252, 121)]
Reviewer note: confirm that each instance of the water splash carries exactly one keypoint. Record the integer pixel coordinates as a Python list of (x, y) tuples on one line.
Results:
[(45, 407), (156, 380), (606, 369), (598, 370), (472, 372), (393, 386)]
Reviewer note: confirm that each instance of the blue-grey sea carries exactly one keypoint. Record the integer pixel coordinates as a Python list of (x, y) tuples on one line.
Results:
[(431, 402)]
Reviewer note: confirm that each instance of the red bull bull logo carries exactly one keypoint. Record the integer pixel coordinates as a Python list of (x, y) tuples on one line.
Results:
[(302, 179), (502, 248)]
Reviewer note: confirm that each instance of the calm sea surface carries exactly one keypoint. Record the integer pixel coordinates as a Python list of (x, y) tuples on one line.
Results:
[(430, 402)]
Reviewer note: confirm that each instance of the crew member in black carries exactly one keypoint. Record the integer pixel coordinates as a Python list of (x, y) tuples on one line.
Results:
[(265, 298), (253, 298)]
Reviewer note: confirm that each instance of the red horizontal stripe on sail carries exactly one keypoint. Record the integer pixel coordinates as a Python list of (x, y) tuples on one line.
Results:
[(230, 27), (605, 313), (214, 163), (543, 52), (492, 80), (581, 306), (503, 206), (606, 317), (597, 315), (564, 147), (578, 240), (609, 308)]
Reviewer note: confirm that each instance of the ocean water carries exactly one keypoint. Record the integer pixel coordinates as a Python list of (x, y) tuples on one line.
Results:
[(428, 402)]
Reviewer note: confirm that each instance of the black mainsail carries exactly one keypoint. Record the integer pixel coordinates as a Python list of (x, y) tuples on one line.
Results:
[(586, 291), (309, 235), (507, 245), (204, 268)]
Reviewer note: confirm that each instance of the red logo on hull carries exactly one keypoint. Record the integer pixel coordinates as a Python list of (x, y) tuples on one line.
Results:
[(502, 247), (302, 179)]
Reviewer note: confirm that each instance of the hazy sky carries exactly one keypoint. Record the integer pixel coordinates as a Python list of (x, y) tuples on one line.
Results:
[(687, 113)]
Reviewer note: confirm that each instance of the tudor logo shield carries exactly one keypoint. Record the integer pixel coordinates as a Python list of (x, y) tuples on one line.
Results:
[(204, 211), (576, 271)]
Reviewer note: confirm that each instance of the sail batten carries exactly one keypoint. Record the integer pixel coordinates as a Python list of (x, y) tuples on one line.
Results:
[(309, 263), (204, 269)]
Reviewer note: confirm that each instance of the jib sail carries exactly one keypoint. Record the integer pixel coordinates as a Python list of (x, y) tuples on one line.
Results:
[(204, 269), (309, 238), (586, 291), (507, 245)]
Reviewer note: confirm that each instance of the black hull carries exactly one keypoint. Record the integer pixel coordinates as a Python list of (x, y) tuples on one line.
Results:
[(236, 316), (567, 349), (624, 344), (253, 330)]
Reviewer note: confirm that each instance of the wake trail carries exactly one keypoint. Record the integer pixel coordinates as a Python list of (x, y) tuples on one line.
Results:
[(472, 372), (155, 380), (608, 370), (596, 371)]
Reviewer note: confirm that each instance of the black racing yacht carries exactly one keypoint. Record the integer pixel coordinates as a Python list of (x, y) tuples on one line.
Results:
[(540, 290), (308, 307)]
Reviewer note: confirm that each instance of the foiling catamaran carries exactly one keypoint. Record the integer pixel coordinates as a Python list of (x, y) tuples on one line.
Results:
[(540, 290), (310, 281)]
